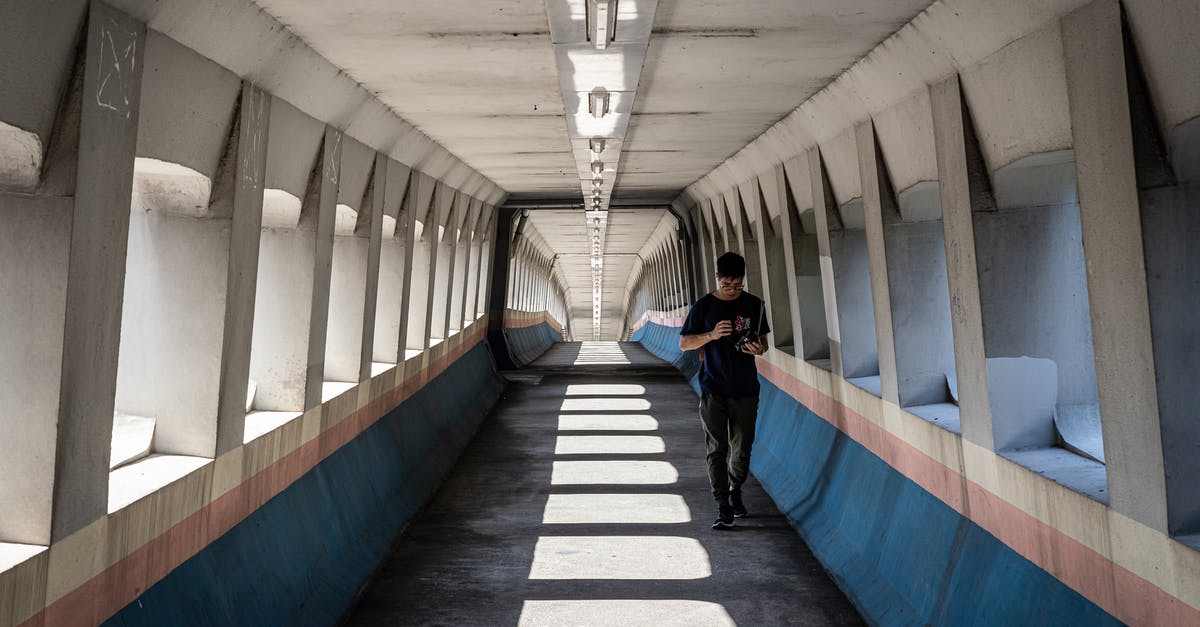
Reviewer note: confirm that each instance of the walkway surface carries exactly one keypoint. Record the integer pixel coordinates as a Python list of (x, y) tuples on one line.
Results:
[(583, 500)]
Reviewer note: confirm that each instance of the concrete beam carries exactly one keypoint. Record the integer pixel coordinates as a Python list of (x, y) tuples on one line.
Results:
[(321, 213), (777, 274), (254, 119), (878, 207), (373, 222), (109, 114), (1116, 275), (959, 185), (826, 216)]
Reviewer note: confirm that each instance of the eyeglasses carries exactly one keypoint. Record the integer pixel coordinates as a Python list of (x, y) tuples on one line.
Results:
[(737, 287)]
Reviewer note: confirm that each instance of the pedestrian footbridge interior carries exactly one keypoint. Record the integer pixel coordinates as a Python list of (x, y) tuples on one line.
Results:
[(368, 311)]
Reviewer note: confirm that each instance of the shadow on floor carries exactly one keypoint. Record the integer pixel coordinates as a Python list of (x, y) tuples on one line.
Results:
[(584, 500)]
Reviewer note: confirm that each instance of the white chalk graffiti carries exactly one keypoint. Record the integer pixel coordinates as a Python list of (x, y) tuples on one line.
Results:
[(255, 140), (333, 156), (118, 61)]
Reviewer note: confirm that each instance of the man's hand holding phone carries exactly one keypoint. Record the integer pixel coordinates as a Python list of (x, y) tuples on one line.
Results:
[(754, 348)]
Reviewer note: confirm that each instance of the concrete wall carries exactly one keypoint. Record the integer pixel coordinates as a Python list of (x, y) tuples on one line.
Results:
[(406, 452), (1170, 229), (916, 257), (279, 359), (34, 246), (346, 301), (1032, 284), (172, 327), (856, 318), (1022, 133)]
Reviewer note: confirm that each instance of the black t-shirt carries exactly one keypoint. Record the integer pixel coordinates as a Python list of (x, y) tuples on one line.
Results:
[(724, 370)]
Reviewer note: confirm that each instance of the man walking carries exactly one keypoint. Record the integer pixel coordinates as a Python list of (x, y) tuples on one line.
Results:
[(728, 327)]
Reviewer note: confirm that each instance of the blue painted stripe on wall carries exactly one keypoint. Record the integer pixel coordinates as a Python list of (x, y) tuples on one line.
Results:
[(302, 557), (528, 343), (900, 554), (663, 342)]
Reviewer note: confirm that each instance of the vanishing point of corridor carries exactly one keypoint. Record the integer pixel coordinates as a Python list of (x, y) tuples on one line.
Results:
[(583, 500)]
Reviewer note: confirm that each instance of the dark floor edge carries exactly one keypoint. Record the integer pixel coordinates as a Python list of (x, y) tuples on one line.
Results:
[(900, 554), (304, 556)]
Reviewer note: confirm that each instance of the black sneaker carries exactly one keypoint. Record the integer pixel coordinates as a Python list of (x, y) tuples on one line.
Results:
[(724, 517), (736, 505)]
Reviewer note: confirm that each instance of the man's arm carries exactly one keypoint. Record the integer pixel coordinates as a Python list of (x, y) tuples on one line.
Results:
[(693, 342)]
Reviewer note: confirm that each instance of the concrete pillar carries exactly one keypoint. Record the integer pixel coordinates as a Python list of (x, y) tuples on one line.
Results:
[(389, 342), (108, 125), (283, 296), (1116, 275), (878, 206), (739, 232), (462, 257), (727, 240), (474, 242), (479, 232), (373, 225), (349, 278), (457, 213), (960, 185), (703, 247), (496, 238), (241, 286), (677, 271), (826, 217), (417, 259), (441, 244), (324, 213), (777, 258), (518, 276)]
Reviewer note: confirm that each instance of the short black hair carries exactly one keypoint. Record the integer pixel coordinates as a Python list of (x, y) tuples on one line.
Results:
[(731, 266)]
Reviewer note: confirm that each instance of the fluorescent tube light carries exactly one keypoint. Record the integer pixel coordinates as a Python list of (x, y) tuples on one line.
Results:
[(601, 22), (598, 102)]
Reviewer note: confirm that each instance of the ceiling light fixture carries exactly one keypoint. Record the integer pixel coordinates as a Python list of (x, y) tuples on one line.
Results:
[(598, 102), (596, 144), (601, 22), (597, 167)]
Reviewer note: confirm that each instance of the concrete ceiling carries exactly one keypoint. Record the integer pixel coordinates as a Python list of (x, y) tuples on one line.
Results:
[(488, 81)]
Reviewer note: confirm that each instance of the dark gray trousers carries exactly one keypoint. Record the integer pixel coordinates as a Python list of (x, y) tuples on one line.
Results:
[(728, 435)]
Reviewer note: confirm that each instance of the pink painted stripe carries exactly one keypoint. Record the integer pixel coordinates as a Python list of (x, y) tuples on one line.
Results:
[(666, 322), (1089, 573), (120, 584), (512, 322)]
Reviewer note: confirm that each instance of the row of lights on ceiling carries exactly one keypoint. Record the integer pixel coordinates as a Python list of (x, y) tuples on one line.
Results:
[(601, 30), (598, 101)]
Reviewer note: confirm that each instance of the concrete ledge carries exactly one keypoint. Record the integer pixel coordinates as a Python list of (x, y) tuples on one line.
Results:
[(910, 517), (93, 574), (333, 526), (901, 554)]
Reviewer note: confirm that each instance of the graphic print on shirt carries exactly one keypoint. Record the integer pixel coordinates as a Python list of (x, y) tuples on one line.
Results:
[(741, 323)]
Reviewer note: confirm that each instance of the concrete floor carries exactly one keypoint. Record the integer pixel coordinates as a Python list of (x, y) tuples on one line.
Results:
[(535, 527)]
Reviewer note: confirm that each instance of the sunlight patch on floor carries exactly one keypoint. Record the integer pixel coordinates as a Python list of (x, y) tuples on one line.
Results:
[(606, 444), (579, 509), (605, 389), (619, 557), (625, 613), (592, 353), (607, 422), (605, 404), (613, 472)]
